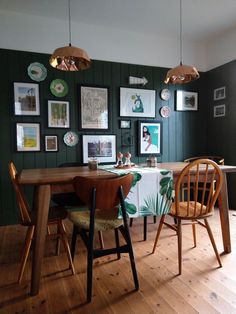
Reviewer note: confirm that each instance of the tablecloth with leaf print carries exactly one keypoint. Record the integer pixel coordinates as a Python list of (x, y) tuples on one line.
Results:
[(151, 192)]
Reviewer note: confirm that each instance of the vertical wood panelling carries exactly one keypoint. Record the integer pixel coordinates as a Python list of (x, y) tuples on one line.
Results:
[(181, 131)]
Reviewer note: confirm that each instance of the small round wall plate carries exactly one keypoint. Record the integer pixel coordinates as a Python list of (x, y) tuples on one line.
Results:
[(37, 71), (71, 138), (165, 111), (165, 94), (59, 88)]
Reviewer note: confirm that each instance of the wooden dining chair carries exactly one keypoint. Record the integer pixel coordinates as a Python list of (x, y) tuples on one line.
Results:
[(28, 219), (191, 209), (218, 159), (102, 197)]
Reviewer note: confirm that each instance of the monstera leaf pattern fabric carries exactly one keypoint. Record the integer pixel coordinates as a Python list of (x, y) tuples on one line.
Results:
[(151, 193)]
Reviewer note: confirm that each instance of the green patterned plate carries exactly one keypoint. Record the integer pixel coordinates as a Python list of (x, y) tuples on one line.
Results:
[(59, 88), (37, 71)]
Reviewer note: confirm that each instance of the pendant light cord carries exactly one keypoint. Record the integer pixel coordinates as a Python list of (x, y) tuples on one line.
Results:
[(69, 22), (180, 33)]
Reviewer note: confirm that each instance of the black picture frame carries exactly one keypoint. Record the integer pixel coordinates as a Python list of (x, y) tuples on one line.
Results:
[(149, 138), (51, 143)]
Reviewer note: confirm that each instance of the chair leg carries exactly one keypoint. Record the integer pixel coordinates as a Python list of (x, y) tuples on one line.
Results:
[(179, 234), (212, 241), (194, 234), (144, 228), (73, 241), (131, 222), (158, 232), (154, 219), (101, 239), (58, 243), (117, 242), (90, 267), (25, 252), (65, 242)]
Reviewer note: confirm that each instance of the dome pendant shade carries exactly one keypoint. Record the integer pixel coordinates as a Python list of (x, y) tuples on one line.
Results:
[(70, 58), (182, 74)]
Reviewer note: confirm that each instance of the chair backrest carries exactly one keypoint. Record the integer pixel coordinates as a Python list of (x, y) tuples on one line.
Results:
[(218, 159), (107, 190), (21, 200), (202, 181)]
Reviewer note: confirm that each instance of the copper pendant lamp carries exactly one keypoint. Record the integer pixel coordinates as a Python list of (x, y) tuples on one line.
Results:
[(182, 73), (70, 58)]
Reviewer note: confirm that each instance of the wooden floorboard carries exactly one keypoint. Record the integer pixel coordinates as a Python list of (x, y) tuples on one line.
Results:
[(202, 287)]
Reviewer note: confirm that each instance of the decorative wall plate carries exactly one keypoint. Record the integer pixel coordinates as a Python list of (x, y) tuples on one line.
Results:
[(165, 111), (59, 88), (165, 94), (71, 138), (37, 71)]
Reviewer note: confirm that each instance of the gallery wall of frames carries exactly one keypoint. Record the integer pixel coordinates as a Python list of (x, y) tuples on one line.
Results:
[(49, 117)]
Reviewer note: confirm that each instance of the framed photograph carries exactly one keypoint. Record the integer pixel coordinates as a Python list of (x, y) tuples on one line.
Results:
[(27, 137), (186, 101), (102, 147), (94, 107), (219, 111), (219, 93), (26, 99), (125, 124), (50, 142), (150, 138), (58, 114), (137, 102)]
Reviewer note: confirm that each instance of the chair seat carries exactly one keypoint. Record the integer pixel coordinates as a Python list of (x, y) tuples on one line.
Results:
[(55, 214), (102, 220), (183, 214)]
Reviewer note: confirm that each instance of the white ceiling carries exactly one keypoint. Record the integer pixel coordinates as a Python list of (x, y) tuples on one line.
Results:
[(202, 19)]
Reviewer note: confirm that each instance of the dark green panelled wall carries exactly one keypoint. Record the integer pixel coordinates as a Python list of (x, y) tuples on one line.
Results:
[(184, 133)]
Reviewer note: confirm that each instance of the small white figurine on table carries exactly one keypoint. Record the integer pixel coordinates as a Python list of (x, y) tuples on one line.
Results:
[(119, 159), (127, 159)]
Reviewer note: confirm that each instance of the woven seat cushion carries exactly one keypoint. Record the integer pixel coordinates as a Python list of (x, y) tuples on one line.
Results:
[(182, 212), (104, 220)]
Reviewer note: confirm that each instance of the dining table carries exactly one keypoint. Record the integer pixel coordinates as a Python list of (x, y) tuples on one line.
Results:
[(47, 181)]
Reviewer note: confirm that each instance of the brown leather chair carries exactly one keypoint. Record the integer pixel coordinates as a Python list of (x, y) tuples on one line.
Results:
[(55, 217), (191, 209)]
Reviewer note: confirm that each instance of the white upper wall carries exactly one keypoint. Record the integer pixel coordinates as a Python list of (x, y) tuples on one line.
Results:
[(41, 34)]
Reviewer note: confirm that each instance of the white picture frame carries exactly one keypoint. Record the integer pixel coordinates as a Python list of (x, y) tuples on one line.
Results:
[(101, 147), (219, 93), (26, 99), (219, 111), (186, 100), (137, 102)]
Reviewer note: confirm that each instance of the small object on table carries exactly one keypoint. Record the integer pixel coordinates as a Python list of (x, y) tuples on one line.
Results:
[(93, 164), (151, 161), (127, 159), (119, 160)]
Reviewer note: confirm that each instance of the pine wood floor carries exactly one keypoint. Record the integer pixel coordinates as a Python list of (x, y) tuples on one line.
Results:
[(202, 288)]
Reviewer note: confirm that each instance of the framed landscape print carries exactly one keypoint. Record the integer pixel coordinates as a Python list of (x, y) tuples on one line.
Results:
[(219, 93), (150, 138), (94, 107), (27, 137), (137, 102), (101, 147), (58, 114), (219, 111), (26, 99), (50, 142), (186, 101)]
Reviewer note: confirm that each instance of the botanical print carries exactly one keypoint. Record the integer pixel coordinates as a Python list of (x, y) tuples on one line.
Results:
[(94, 108), (58, 114)]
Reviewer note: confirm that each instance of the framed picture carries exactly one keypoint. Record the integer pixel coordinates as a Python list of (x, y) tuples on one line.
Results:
[(137, 102), (94, 107), (125, 124), (58, 114), (150, 138), (26, 99), (101, 147), (219, 111), (219, 93), (186, 101), (27, 137), (50, 142)]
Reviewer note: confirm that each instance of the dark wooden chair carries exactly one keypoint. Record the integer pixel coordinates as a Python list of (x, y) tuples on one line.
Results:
[(218, 159), (191, 209), (102, 197), (55, 217)]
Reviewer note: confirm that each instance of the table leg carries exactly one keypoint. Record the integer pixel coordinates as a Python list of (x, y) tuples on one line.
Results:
[(224, 215), (41, 205)]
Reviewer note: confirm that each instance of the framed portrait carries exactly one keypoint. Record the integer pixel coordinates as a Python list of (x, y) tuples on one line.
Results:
[(94, 107), (50, 142), (150, 138), (101, 147), (137, 102), (219, 111), (219, 93), (186, 101), (58, 114), (27, 137), (26, 99), (125, 124)]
